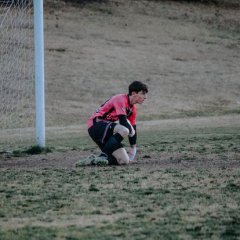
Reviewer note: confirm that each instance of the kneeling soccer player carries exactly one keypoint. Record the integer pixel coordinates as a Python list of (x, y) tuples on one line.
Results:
[(108, 134)]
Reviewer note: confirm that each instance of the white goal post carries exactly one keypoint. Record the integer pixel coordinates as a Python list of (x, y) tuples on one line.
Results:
[(22, 73), (39, 72)]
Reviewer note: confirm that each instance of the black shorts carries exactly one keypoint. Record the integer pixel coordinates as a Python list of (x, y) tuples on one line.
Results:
[(101, 131)]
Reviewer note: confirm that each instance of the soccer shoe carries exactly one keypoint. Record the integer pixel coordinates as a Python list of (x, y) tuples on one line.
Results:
[(99, 161), (93, 160), (85, 161)]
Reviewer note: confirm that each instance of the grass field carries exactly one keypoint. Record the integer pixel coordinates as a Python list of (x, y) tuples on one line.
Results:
[(185, 182), (184, 185)]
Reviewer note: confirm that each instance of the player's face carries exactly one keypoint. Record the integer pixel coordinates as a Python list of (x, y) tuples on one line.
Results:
[(140, 97)]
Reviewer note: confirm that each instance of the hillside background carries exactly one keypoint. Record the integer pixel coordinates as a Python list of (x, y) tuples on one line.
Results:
[(186, 51)]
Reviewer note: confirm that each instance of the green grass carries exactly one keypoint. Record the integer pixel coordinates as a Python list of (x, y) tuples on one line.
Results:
[(173, 204), (206, 112), (201, 142), (146, 200)]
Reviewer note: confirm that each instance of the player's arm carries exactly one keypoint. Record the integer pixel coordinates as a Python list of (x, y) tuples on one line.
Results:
[(133, 138), (133, 141), (132, 135), (123, 121)]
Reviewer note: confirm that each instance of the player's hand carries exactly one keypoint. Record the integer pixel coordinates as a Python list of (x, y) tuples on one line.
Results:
[(132, 152)]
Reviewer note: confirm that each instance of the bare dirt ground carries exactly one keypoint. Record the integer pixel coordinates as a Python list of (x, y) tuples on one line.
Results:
[(148, 159)]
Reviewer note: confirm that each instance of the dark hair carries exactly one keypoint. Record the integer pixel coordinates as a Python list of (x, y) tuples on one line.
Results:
[(137, 86)]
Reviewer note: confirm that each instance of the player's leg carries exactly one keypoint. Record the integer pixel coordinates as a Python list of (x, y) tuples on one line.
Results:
[(114, 148), (100, 132), (113, 138), (108, 136), (120, 129), (121, 156)]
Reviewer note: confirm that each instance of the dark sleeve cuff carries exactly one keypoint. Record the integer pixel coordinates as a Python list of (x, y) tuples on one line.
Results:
[(133, 139), (123, 121)]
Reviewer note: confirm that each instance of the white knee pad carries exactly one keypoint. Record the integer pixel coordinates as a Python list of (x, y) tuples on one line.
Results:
[(121, 156), (123, 160), (123, 131)]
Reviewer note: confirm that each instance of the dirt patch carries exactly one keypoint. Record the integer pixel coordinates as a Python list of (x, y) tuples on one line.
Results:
[(146, 160), (84, 221), (179, 158)]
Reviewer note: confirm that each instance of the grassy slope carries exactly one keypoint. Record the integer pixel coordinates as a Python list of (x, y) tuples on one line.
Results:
[(187, 53)]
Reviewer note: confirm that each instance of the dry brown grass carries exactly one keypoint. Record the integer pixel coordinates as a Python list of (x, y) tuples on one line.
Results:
[(188, 55)]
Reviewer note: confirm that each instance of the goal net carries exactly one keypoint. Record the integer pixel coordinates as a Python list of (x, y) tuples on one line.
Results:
[(17, 101)]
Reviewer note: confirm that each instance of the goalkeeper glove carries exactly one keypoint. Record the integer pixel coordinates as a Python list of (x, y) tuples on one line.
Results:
[(132, 153)]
